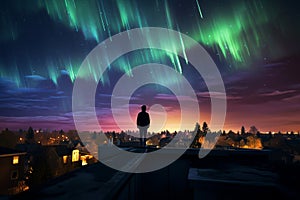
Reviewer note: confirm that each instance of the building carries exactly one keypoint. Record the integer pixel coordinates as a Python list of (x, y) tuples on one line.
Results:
[(48, 162), (12, 171), (223, 174), (61, 159)]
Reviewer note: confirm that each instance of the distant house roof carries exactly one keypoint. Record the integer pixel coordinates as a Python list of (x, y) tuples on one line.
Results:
[(61, 150), (76, 142), (29, 148), (10, 152), (164, 141)]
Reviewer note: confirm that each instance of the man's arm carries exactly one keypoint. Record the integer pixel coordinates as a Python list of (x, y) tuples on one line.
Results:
[(148, 118), (138, 120)]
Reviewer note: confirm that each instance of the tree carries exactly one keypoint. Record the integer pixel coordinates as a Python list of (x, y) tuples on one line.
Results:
[(254, 142), (258, 134), (279, 133), (196, 143), (243, 130), (205, 128), (253, 130), (30, 135), (230, 133), (270, 134)]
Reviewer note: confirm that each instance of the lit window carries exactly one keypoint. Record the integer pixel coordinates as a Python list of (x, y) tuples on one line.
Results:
[(84, 160), (15, 160), (75, 155), (65, 159)]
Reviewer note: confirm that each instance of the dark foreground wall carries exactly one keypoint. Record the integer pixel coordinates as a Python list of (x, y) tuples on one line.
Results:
[(224, 174)]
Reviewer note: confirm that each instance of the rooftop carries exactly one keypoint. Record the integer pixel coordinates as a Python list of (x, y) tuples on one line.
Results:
[(7, 151), (223, 174)]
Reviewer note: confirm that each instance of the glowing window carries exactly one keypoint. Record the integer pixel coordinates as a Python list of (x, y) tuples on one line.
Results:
[(65, 159), (15, 160), (84, 160), (75, 155)]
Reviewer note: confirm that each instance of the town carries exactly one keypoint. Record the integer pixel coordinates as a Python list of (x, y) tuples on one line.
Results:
[(33, 157)]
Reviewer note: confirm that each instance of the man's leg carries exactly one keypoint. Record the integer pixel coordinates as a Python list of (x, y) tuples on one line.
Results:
[(141, 137), (145, 136), (144, 131)]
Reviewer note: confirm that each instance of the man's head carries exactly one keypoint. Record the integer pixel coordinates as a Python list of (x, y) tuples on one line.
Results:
[(143, 107)]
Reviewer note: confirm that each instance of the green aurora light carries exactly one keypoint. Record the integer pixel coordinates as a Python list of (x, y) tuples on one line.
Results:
[(236, 36)]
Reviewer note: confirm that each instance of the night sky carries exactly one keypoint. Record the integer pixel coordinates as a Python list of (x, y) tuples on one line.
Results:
[(253, 43)]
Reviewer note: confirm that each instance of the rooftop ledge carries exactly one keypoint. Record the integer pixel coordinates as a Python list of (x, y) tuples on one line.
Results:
[(218, 169)]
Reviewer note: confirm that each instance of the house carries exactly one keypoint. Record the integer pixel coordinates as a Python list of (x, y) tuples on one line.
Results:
[(49, 161), (12, 171), (61, 159)]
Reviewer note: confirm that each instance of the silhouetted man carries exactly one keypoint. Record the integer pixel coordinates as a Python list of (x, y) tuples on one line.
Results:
[(143, 123)]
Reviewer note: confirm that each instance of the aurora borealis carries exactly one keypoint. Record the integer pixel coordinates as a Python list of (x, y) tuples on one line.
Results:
[(253, 43)]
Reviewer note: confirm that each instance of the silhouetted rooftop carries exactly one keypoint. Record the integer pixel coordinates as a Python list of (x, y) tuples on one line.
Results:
[(4, 151), (223, 174)]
